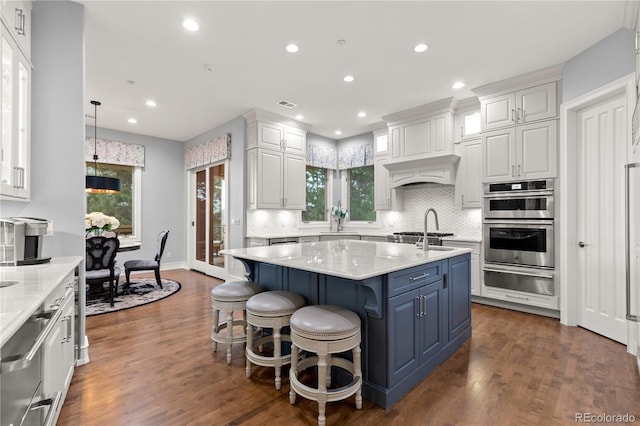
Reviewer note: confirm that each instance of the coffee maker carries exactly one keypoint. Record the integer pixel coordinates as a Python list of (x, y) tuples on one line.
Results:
[(21, 241)]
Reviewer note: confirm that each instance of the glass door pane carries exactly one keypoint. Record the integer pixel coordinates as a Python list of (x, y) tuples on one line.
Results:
[(216, 220), (201, 216)]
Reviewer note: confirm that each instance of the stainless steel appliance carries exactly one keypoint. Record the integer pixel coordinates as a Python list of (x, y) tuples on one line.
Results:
[(21, 240), (519, 200), (521, 242), (518, 236), (412, 237)]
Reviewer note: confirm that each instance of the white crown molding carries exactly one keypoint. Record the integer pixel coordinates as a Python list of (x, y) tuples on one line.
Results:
[(523, 81), (437, 107), (258, 114)]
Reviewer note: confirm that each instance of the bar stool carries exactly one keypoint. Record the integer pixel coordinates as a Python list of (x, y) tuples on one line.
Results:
[(227, 298), (325, 330), (271, 309)]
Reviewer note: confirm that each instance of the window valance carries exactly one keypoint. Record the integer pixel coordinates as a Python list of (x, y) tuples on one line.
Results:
[(114, 152), (355, 156), (322, 156), (217, 149)]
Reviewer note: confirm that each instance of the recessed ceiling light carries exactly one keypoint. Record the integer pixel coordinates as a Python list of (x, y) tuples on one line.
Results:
[(362, 114), (338, 132), (190, 24), (349, 78), (458, 85), (151, 103), (132, 121), (299, 117), (420, 47), (292, 48)]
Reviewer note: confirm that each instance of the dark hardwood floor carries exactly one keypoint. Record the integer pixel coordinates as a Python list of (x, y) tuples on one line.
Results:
[(153, 365)]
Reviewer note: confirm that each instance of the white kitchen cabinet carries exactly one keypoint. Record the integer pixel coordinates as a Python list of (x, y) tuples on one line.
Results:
[(275, 180), (309, 239), (16, 16), (523, 106), (428, 135), (476, 265), (520, 152), (278, 133), (469, 177), (257, 242), (15, 118), (385, 197), (467, 120)]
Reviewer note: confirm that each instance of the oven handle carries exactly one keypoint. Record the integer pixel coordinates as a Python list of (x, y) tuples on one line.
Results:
[(526, 274), (517, 222), (19, 362), (52, 403), (518, 194)]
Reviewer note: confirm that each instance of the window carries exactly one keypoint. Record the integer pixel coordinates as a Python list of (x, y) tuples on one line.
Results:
[(361, 189), (123, 206), (317, 193), (472, 124)]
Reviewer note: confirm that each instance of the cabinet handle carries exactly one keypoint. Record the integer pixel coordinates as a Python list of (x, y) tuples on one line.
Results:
[(19, 21), (463, 199), (519, 169), (513, 171), (388, 202), (522, 113), (419, 310), (419, 277), (517, 297), (424, 306), (461, 132), (285, 202), (513, 115), (69, 329)]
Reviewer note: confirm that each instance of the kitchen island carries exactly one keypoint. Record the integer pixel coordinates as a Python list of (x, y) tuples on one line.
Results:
[(415, 306)]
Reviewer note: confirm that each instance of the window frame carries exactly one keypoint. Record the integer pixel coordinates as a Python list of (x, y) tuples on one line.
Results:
[(345, 181), (329, 198), (136, 200)]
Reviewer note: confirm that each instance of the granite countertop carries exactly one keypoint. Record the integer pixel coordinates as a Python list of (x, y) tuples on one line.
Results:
[(463, 238), (350, 259), (18, 302)]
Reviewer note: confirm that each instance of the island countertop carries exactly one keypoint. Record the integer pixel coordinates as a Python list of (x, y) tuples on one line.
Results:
[(350, 259)]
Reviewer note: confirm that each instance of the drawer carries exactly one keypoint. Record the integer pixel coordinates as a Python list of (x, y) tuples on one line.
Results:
[(409, 279), (539, 300), (57, 296)]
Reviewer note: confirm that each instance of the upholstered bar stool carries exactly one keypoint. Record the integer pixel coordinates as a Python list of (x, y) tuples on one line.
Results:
[(325, 330), (271, 309), (227, 298)]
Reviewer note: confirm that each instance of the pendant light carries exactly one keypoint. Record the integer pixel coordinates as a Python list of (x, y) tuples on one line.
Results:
[(99, 184)]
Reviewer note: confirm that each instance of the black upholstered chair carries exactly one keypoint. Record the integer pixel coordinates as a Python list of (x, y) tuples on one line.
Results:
[(148, 265), (101, 263)]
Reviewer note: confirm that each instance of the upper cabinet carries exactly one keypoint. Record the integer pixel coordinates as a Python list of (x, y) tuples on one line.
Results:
[(423, 131), (16, 17), (385, 197), (15, 98), (523, 106), (519, 126), (276, 162)]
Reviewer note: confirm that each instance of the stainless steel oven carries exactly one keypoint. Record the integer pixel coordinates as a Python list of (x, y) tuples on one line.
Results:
[(519, 200), (519, 242)]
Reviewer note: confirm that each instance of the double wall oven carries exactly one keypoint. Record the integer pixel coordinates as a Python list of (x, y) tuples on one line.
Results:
[(519, 236)]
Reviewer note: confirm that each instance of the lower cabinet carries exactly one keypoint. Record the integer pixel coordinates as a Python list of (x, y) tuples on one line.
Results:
[(476, 266), (425, 319)]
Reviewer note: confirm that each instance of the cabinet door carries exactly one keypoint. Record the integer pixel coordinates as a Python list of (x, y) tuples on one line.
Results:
[(396, 140), (67, 324), (433, 333), (403, 345), (498, 155), (537, 103), (498, 111), (459, 286), (417, 138), (469, 179), (295, 140), (53, 359), (269, 180), (537, 150), (295, 190), (382, 188), (15, 119), (17, 16), (270, 136)]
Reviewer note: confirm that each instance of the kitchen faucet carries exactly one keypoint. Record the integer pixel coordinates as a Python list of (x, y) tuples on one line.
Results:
[(425, 243)]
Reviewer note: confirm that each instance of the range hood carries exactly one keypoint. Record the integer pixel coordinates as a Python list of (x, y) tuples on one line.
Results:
[(425, 169)]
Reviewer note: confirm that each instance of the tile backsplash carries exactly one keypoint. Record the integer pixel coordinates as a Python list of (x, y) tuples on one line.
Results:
[(416, 200)]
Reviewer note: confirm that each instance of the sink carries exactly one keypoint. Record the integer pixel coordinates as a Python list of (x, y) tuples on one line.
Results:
[(8, 283)]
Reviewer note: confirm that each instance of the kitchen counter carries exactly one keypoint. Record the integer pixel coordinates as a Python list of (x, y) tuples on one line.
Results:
[(34, 284), (462, 238), (414, 307), (350, 259)]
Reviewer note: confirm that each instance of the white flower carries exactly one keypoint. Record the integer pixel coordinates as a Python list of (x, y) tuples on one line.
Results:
[(99, 220)]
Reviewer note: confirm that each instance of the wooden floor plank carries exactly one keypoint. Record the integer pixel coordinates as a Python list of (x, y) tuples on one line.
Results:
[(153, 365)]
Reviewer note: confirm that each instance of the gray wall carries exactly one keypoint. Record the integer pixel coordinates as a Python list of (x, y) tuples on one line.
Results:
[(236, 176), (605, 61), (163, 197), (57, 127)]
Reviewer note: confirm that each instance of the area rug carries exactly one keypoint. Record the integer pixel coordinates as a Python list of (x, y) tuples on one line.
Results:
[(141, 292)]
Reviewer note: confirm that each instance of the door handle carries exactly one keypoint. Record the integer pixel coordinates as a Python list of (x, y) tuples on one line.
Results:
[(582, 244)]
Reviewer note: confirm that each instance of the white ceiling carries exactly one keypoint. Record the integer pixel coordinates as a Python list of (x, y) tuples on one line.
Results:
[(475, 41)]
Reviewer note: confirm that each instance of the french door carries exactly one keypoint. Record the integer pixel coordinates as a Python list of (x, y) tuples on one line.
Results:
[(209, 199)]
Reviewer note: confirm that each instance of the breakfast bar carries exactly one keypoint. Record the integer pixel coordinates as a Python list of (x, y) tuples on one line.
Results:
[(414, 305)]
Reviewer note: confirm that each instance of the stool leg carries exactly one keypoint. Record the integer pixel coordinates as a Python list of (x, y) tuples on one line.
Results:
[(293, 372), (277, 356), (215, 328), (229, 339), (322, 388), (357, 371), (328, 382), (249, 347)]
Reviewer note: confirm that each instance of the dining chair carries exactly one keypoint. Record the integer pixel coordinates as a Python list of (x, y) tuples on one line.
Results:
[(100, 263), (148, 264)]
